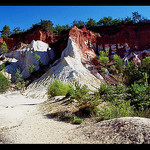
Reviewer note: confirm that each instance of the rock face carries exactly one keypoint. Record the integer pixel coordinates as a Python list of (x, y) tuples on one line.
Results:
[(68, 69), (25, 58), (125, 130), (125, 39)]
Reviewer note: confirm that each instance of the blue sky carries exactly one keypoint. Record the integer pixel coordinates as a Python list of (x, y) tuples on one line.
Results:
[(25, 16)]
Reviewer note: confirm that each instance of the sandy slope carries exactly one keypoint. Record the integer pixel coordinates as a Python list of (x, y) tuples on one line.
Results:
[(22, 122)]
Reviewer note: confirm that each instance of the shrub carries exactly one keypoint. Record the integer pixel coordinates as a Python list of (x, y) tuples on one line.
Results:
[(4, 83), (58, 88), (132, 74), (2, 67), (77, 120), (4, 48), (87, 102), (118, 62), (37, 57), (32, 68), (103, 57), (116, 109), (139, 96), (17, 76), (103, 69), (105, 89)]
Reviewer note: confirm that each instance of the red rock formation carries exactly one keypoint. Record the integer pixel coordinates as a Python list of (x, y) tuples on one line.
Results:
[(137, 36), (85, 39), (38, 34)]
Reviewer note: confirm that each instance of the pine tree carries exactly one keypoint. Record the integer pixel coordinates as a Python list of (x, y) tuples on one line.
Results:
[(6, 31), (3, 48)]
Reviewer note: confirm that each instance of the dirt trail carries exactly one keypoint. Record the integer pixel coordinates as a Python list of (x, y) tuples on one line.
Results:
[(22, 122)]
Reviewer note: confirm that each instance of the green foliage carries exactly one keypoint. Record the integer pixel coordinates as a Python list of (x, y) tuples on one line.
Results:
[(139, 95), (3, 48), (17, 76), (77, 120), (58, 87), (87, 102), (105, 21), (103, 69), (145, 68), (105, 89), (136, 17), (32, 68), (118, 63), (78, 23), (116, 109), (103, 57), (132, 73), (4, 83), (91, 23), (17, 30), (21, 84), (6, 31), (59, 29), (47, 25), (2, 67), (37, 57)]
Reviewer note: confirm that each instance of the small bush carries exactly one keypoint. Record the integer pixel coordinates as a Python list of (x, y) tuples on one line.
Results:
[(139, 96), (105, 89), (59, 88), (77, 120), (37, 57), (103, 57), (87, 102), (17, 76), (2, 67), (4, 83), (32, 68), (118, 63), (103, 69), (116, 109)]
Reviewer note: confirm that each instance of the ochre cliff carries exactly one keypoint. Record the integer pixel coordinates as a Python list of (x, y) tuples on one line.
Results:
[(118, 39)]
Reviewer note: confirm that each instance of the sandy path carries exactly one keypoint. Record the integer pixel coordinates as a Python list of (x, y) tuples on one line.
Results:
[(22, 122)]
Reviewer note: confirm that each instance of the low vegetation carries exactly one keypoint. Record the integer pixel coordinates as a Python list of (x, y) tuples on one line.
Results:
[(123, 100), (59, 88), (4, 83)]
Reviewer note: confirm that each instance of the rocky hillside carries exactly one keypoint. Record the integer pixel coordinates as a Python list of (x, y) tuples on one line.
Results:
[(71, 55)]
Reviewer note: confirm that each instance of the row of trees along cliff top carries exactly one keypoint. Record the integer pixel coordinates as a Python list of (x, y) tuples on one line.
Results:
[(47, 25)]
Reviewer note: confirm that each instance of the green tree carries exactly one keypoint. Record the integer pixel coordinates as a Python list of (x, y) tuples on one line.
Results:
[(47, 25), (17, 30), (4, 83), (78, 23), (17, 76), (116, 22), (3, 48), (118, 62), (105, 21), (136, 17), (103, 57), (91, 23), (6, 31)]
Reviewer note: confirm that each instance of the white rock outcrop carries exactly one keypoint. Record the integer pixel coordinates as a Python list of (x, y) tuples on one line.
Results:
[(68, 69), (26, 57)]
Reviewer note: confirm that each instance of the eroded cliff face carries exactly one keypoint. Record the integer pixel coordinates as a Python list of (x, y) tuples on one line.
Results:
[(125, 39), (86, 41), (122, 39), (24, 39)]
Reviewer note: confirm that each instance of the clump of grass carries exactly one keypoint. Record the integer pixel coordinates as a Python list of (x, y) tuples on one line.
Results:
[(58, 87), (116, 109)]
